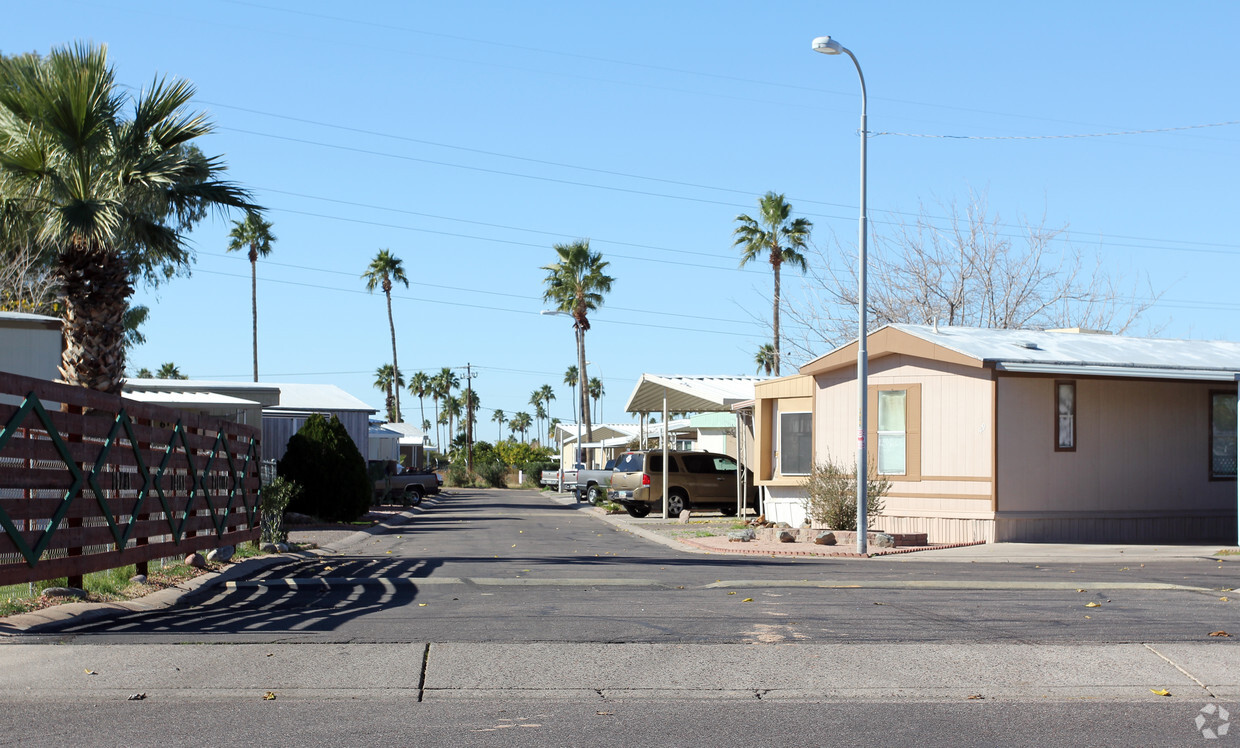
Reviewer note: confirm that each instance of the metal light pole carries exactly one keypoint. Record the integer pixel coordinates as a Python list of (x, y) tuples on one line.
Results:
[(829, 46)]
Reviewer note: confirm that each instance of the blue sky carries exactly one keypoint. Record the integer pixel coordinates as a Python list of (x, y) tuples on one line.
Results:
[(469, 137)]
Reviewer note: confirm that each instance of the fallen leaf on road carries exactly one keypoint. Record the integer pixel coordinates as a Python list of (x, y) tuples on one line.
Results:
[(1089, 616), (387, 551), (1160, 692), (605, 714), (1223, 599), (880, 603), (90, 672), (747, 600), (271, 654), (974, 696), (269, 696), (731, 593), (1093, 605), (1219, 633), (1080, 590), (514, 545), (1124, 569), (136, 697)]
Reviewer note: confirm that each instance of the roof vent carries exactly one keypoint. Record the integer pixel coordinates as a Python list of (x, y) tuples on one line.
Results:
[(1030, 345)]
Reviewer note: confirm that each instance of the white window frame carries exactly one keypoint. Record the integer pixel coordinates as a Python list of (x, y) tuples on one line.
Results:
[(878, 457)]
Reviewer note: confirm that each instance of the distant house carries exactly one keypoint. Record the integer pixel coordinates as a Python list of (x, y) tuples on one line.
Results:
[(412, 444), (240, 402), (1013, 435), (300, 401), (30, 345)]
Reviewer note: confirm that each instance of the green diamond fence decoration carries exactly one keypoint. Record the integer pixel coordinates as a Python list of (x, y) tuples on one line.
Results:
[(31, 404), (178, 529)]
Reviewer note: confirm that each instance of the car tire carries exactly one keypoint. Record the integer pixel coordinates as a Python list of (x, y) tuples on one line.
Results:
[(677, 502), (728, 510), (413, 495), (594, 495), (637, 510)]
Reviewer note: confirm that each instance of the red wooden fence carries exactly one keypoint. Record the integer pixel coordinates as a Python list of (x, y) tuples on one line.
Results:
[(91, 481)]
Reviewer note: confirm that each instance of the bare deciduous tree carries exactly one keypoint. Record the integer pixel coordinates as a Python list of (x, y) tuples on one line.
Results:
[(26, 281), (969, 272)]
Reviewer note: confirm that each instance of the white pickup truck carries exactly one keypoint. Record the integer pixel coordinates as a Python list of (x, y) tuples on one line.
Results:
[(564, 480)]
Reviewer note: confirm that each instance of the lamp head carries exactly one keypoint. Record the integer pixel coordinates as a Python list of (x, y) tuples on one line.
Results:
[(827, 46)]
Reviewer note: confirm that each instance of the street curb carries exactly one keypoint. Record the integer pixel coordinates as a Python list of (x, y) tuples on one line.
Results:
[(638, 531), (180, 594)]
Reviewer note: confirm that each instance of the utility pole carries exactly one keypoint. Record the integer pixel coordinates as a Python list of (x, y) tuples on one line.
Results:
[(469, 419)]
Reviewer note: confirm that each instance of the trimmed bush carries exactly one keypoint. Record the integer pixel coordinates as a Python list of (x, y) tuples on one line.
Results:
[(324, 461), (273, 499), (493, 473), (533, 472)]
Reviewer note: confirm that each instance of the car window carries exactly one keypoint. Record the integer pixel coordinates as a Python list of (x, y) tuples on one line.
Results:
[(630, 463), (698, 463), (656, 465), (725, 465)]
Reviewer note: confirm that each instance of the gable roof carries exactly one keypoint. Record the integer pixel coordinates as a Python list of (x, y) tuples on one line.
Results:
[(318, 397), (1046, 352), (689, 394)]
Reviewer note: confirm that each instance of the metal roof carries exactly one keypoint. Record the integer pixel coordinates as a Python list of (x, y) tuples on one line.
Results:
[(689, 394), (318, 397), (409, 434), (1087, 353), (190, 399)]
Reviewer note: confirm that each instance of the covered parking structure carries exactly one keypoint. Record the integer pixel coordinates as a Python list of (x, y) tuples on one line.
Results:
[(659, 393)]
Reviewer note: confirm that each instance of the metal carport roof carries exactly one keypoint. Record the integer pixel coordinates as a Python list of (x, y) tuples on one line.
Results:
[(689, 394)]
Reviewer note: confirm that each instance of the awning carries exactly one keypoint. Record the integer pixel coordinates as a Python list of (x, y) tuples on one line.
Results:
[(689, 394)]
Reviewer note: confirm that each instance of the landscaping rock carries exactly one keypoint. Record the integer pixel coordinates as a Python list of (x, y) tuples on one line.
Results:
[(138, 579), (741, 536), (281, 547), (883, 540), (782, 525), (196, 560), (221, 555), (683, 517), (825, 538), (268, 548), (786, 536), (64, 592)]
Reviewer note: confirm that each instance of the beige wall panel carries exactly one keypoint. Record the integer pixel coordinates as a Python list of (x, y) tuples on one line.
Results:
[(1141, 446), (795, 386)]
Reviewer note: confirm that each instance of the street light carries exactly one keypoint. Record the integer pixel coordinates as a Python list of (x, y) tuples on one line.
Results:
[(829, 46)]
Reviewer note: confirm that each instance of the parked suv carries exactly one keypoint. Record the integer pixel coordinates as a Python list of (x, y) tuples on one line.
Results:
[(696, 480)]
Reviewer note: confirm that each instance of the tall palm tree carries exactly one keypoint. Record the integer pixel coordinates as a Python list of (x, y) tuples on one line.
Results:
[(499, 417), (596, 393), (765, 359), (540, 415), (576, 285), (382, 271), (388, 381), (108, 182), (552, 426), (778, 236), (570, 378), (420, 385), (539, 412), (452, 409), (253, 235), (548, 394), (446, 380)]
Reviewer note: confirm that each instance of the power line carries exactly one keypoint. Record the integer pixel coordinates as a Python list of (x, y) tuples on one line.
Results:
[(1059, 137)]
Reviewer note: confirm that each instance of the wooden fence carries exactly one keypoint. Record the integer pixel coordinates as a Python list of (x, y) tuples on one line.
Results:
[(91, 481)]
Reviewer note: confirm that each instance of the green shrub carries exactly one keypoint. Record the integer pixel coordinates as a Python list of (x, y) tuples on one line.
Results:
[(493, 473), (324, 461), (457, 476), (832, 495), (273, 499), (533, 472)]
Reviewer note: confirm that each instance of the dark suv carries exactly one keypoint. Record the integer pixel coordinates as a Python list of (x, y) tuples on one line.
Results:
[(696, 480)]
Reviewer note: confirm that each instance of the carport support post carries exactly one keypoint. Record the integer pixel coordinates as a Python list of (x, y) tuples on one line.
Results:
[(1238, 460), (665, 453)]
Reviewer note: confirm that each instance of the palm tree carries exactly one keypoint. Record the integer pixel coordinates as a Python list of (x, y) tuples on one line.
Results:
[(135, 317), (780, 237), (520, 422), (109, 193), (387, 381), (446, 381), (420, 385), (576, 285), (551, 430), (471, 404), (540, 415), (596, 393), (452, 409), (254, 235), (499, 417), (384, 269), (570, 378), (548, 394), (169, 371), (765, 359), (144, 373), (539, 412)]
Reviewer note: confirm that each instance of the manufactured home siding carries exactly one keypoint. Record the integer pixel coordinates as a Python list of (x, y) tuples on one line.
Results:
[(1142, 446)]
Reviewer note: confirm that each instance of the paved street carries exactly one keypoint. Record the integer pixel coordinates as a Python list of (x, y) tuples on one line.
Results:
[(492, 597)]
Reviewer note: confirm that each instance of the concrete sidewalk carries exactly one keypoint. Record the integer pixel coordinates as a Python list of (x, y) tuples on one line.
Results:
[(1020, 553), (1192, 672)]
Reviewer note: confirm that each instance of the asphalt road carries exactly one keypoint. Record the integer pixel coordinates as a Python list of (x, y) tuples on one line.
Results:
[(503, 617)]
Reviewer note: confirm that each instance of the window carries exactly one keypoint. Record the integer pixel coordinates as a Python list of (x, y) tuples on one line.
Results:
[(795, 447), (630, 462), (892, 434), (656, 464), (683, 445), (698, 463), (1222, 435), (1065, 416)]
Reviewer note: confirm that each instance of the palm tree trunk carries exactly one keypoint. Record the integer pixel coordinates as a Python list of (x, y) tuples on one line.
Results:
[(581, 380), (254, 303), (95, 290), (775, 266), (395, 368)]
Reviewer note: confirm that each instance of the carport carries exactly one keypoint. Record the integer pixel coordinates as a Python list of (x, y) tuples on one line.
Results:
[(658, 393)]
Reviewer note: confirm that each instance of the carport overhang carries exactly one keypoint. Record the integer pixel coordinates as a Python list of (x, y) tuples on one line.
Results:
[(689, 394)]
